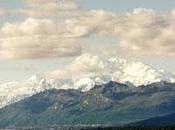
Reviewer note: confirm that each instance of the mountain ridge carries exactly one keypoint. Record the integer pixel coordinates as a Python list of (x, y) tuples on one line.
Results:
[(83, 74), (109, 104)]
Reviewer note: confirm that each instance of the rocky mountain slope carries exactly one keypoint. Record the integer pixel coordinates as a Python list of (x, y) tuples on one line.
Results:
[(110, 104)]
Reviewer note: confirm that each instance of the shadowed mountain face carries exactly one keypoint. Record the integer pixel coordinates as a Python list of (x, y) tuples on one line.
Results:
[(162, 121), (109, 104)]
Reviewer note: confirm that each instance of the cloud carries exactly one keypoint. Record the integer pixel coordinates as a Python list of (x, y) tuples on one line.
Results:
[(44, 8), (36, 38), (43, 34), (141, 32), (3, 12), (48, 8), (94, 21), (29, 27), (146, 33), (54, 4), (38, 47), (54, 28)]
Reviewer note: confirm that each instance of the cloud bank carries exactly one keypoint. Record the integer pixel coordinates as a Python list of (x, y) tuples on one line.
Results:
[(42, 34), (53, 28), (36, 38), (141, 32)]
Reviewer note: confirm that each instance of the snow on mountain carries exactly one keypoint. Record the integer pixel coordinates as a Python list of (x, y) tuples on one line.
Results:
[(115, 69), (83, 73), (15, 91)]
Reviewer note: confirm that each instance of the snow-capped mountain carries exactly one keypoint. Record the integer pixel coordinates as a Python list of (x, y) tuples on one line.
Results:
[(83, 73), (115, 69)]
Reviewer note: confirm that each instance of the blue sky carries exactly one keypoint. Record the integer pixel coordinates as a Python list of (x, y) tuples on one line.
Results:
[(113, 5), (10, 68), (127, 5)]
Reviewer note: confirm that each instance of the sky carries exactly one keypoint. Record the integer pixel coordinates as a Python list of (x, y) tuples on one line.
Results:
[(39, 36)]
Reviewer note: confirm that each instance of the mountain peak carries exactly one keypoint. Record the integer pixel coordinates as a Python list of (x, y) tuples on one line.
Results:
[(119, 70), (83, 74)]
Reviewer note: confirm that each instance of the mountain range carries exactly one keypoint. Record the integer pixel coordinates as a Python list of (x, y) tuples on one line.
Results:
[(83, 74), (113, 104), (90, 91)]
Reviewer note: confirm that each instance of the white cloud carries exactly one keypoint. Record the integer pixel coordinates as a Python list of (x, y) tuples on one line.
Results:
[(38, 47), (47, 8), (52, 4), (42, 37), (30, 27), (93, 21), (44, 8), (3, 12), (36, 38), (141, 32), (148, 33)]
